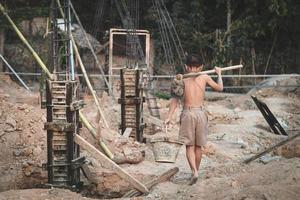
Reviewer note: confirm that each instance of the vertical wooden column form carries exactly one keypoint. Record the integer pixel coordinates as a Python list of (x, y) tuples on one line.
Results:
[(131, 101), (110, 63)]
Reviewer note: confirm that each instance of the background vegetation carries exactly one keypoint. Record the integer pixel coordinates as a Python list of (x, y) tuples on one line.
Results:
[(264, 35)]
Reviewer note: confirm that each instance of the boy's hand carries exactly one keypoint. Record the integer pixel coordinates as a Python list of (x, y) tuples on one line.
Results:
[(167, 121), (218, 70)]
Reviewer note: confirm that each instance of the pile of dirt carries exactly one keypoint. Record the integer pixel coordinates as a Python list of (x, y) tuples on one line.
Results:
[(22, 143), (237, 130)]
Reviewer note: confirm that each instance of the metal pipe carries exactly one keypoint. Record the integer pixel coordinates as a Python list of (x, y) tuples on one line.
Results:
[(35, 55), (14, 72)]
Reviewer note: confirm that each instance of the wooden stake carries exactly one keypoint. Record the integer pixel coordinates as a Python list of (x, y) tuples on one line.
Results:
[(271, 148), (164, 177), (102, 158)]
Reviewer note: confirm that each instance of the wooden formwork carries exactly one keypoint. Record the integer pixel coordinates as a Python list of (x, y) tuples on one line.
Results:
[(132, 102), (62, 123)]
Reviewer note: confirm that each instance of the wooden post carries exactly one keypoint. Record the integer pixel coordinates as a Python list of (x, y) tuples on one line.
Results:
[(147, 57), (101, 157), (2, 40), (110, 63), (271, 148)]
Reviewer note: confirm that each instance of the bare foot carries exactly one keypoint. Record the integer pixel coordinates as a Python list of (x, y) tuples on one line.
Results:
[(193, 180)]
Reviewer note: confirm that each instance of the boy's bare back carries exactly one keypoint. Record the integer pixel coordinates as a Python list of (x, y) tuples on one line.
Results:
[(194, 89)]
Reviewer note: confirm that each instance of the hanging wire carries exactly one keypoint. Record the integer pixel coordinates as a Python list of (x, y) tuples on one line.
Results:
[(98, 18)]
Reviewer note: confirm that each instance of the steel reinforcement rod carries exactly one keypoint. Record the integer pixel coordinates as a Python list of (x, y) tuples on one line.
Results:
[(51, 77)]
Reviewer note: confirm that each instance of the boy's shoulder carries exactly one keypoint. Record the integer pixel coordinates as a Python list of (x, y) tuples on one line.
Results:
[(203, 77)]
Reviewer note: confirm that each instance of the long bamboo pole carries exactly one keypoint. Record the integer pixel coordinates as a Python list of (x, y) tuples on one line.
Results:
[(50, 76), (35, 55)]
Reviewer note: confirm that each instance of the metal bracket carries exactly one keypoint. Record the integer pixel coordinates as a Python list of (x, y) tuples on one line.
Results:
[(76, 105), (269, 117), (78, 162)]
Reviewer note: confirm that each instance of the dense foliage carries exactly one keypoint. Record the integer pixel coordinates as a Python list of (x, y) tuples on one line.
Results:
[(261, 34)]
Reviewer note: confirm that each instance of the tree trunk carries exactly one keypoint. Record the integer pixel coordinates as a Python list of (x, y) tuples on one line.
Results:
[(228, 21)]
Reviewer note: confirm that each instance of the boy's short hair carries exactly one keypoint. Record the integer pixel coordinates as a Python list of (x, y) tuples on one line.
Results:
[(193, 60)]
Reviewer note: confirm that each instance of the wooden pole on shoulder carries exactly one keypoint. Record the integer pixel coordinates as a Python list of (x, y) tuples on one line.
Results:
[(211, 71)]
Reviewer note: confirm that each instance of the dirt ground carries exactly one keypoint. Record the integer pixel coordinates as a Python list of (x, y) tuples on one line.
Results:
[(237, 131)]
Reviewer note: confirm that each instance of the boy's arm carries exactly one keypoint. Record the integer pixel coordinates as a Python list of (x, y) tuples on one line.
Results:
[(216, 86), (173, 106)]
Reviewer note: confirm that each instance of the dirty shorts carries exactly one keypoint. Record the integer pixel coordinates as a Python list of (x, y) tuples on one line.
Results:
[(193, 126)]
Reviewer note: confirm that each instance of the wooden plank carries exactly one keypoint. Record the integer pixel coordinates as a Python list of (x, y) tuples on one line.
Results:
[(121, 172), (164, 177), (271, 148), (59, 126), (154, 120), (127, 132)]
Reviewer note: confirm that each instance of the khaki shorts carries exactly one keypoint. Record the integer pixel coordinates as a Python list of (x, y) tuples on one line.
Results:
[(193, 126)]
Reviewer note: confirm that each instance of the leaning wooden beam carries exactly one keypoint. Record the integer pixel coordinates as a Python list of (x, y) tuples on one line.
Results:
[(45, 69), (102, 158), (91, 48), (164, 177), (271, 148), (35, 55)]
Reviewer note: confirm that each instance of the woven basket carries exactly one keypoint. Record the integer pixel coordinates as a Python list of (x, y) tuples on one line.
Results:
[(165, 149)]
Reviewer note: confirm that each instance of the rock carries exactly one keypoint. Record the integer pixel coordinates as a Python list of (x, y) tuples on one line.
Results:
[(234, 184), (28, 171), (37, 151), (209, 149), (237, 109), (17, 152), (11, 123), (127, 151), (268, 158)]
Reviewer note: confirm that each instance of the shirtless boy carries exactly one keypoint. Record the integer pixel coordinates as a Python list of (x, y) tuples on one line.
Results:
[(193, 120)]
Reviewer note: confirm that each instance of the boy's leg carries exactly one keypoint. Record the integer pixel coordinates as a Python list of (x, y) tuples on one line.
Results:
[(198, 156), (190, 154)]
